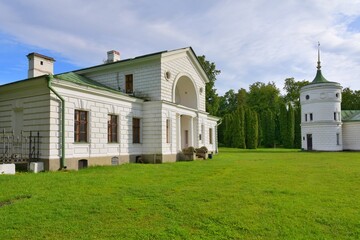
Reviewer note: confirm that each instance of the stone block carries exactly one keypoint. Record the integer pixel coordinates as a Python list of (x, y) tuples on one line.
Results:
[(7, 168), (36, 167)]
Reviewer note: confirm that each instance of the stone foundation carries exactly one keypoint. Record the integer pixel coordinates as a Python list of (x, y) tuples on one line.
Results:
[(83, 162)]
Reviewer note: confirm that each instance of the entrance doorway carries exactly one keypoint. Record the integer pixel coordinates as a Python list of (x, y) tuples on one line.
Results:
[(309, 142)]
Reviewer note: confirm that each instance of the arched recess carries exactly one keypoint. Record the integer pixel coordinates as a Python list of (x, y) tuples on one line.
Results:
[(185, 91)]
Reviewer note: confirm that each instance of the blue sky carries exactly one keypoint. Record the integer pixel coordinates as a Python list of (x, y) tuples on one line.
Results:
[(249, 41)]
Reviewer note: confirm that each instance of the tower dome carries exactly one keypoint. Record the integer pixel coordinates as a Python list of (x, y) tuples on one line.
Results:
[(321, 113)]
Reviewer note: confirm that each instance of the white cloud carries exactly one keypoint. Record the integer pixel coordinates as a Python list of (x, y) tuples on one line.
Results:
[(248, 40)]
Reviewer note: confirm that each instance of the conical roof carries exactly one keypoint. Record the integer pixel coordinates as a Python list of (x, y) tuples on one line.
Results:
[(319, 78)]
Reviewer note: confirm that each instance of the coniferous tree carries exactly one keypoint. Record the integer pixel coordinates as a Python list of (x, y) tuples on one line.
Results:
[(290, 127), (251, 129), (297, 131), (268, 126), (283, 124), (227, 130), (239, 134)]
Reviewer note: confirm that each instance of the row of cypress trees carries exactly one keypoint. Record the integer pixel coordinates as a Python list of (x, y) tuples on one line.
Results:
[(246, 128)]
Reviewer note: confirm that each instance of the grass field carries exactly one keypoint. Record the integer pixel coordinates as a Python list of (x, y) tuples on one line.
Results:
[(262, 194)]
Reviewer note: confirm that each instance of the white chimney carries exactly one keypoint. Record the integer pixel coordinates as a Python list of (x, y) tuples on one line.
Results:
[(40, 65), (113, 56)]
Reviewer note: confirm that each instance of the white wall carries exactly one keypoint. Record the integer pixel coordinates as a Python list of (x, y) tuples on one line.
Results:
[(146, 77), (323, 137), (98, 104), (24, 106), (179, 65), (351, 135)]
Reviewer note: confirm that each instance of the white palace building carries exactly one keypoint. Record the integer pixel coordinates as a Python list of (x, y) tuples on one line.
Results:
[(148, 107), (324, 126)]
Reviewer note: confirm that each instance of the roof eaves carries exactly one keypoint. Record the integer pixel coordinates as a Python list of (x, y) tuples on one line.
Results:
[(84, 81), (119, 62)]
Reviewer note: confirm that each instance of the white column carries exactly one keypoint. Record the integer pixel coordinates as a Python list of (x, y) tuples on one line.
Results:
[(191, 140), (178, 131)]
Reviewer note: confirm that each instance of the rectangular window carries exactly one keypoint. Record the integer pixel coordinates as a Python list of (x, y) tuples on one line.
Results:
[(186, 137), (80, 126), (129, 83), (210, 136), (167, 130), (338, 139), (305, 117), (112, 128), (335, 116), (311, 116), (136, 130)]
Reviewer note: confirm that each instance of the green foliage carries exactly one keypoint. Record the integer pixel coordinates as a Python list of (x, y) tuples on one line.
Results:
[(227, 127), (239, 128), (268, 128), (283, 123), (212, 98), (239, 194), (263, 96), (228, 103), (297, 128), (242, 98), (350, 99), (292, 89), (289, 142), (251, 128)]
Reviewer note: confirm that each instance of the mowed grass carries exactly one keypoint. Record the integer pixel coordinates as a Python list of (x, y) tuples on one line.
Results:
[(239, 194)]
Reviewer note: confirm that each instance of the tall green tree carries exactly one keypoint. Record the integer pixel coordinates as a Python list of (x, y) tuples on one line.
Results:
[(251, 128), (263, 96), (228, 130), (283, 123), (289, 143), (297, 126), (239, 128), (212, 98), (268, 128), (242, 98), (350, 99), (292, 89)]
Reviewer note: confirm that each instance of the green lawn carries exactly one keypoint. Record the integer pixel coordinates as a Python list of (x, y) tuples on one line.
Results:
[(239, 194)]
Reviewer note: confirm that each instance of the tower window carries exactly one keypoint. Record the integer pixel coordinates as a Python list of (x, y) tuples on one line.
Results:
[(337, 139), (305, 117), (337, 95), (335, 116), (307, 97), (311, 116)]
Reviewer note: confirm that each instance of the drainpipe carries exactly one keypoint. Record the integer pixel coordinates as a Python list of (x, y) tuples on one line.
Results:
[(50, 77)]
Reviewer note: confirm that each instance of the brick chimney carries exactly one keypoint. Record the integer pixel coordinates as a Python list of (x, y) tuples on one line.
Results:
[(40, 65), (113, 56)]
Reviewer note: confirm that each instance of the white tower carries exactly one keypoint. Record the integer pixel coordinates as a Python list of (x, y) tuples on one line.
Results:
[(321, 126)]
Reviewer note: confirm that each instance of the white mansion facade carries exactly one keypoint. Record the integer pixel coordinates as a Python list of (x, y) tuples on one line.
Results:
[(148, 107)]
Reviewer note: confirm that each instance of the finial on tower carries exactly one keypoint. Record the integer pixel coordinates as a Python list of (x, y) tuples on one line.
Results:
[(318, 62)]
